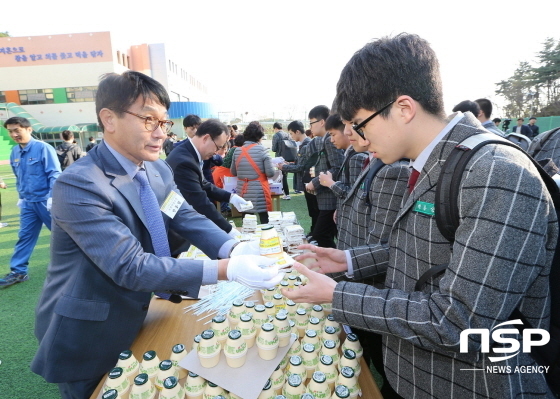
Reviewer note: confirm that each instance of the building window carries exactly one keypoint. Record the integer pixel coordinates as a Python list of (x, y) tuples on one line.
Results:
[(2, 97), (36, 96), (81, 94)]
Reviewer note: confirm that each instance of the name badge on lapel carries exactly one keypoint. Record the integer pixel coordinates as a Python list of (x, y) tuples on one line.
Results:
[(172, 204), (424, 207)]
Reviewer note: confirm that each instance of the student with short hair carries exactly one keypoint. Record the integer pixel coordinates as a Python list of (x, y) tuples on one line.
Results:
[(499, 261)]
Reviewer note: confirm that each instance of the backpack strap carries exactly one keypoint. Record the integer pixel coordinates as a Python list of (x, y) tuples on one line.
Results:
[(448, 187), (373, 170)]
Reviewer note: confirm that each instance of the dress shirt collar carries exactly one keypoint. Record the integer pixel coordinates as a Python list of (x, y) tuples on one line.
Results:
[(129, 167), (197, 153), (421, 160)]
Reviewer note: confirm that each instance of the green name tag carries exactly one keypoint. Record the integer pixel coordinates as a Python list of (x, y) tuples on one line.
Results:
[(424, 207)]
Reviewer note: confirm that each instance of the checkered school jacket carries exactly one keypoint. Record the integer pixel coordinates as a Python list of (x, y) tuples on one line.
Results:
[(351, 168), (367, 217), (330, 158), (500, 260)]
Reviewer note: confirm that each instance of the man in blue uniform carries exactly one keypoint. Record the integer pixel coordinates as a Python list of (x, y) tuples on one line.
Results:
[(36, 167)]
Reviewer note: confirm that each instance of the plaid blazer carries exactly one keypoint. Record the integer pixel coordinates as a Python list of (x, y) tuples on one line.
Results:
[(500, 260), (549, 149), (359, 223), (331, 159), (348, 173)]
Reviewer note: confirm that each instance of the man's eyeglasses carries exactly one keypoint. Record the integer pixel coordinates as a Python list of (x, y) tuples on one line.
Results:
[(311, 123), (152, 123), (358, 127), (218, 148)]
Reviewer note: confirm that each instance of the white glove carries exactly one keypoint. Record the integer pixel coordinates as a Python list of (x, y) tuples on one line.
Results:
[(246, 270), (246, 248), (49, 204), (237, 201), (236, 234), (19, 203)]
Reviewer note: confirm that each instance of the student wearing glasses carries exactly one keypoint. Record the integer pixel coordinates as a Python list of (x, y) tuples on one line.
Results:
[(187, 162), (499, 261)]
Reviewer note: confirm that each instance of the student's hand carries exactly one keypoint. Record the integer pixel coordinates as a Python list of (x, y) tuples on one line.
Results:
[(238, 202), (280, 165), (49, 204), (235, 234), (325, 178), (3, 185), (323, 260), (310, 188), (319, 288)]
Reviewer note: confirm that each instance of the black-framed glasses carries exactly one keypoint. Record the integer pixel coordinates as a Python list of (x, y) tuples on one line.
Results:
[(318, 120), (217, 148), (358, 127), (152, 123)]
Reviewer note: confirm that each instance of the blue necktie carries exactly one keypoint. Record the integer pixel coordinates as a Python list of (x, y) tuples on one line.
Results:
[(156, 227)]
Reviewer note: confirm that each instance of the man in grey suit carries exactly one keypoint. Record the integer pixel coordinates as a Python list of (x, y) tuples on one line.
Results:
[(500, 259), (109, 250)]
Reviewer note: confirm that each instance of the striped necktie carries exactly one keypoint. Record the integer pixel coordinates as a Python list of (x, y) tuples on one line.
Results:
[(154, 219)]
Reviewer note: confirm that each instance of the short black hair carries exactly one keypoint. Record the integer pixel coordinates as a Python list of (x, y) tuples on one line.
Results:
[(234, 127), (91, 139), (485, 106), (520, 119), (238, 140), (17, 120), (308, 133), (496, 120), (67, 135), (387, 68), (213, 127), (319, 112), (467, 106), (531, 118), (192, 121), (118, 92), (334, 122), (294, 126), (254, 131), (277, 125)]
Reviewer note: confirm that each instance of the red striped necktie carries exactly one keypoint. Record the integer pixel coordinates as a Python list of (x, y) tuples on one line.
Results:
[(412, 179)]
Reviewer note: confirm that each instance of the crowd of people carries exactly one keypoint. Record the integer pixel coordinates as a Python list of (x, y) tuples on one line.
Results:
[(370, 169)]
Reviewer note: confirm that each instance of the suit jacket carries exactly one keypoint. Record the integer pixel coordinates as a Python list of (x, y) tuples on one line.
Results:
[(297, 167), (500, 260), (525, 130), (330, 159), (103, 270), (194, 187)]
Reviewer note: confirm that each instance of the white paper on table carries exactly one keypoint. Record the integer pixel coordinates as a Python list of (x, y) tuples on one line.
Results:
[(256, 371)]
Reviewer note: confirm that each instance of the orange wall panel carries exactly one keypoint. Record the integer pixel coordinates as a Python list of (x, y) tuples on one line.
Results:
[(12, 96)]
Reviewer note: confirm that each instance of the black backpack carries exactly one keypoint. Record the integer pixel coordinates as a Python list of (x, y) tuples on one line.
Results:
[(63, 155), (447, 220), (288, 150)]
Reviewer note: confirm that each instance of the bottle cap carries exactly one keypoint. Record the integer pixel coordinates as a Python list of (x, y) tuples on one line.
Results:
[(115, 373), (197, 338), (212, 384), (296, 360), (329, 344), (289, 302), (149, 355), (268, 305), (259, 308), (246, 317), (349, 354), (342, 391), (319, 377), (326, 360), (219, 319), (311, 333), (193, 375), (141, 379), (307, 395), (125, 354), (330, 317), (170, 382), (267, 385), (308, 348), (267, 327), (237, 302), (249, 304), (234, 334), (165, 364), (347, 372), (277, 296), (314, 320), (281, 316), (294, 380), (110, 394), (317, 308), (301, 311), (352, 337), (207, 334), (330, 330), (178, 348)]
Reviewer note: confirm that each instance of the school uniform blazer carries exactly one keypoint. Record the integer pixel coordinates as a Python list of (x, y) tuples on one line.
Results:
[(198, 192), (500, 260), (351, 167), (360, 223), (330, 159), (103, 268)]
